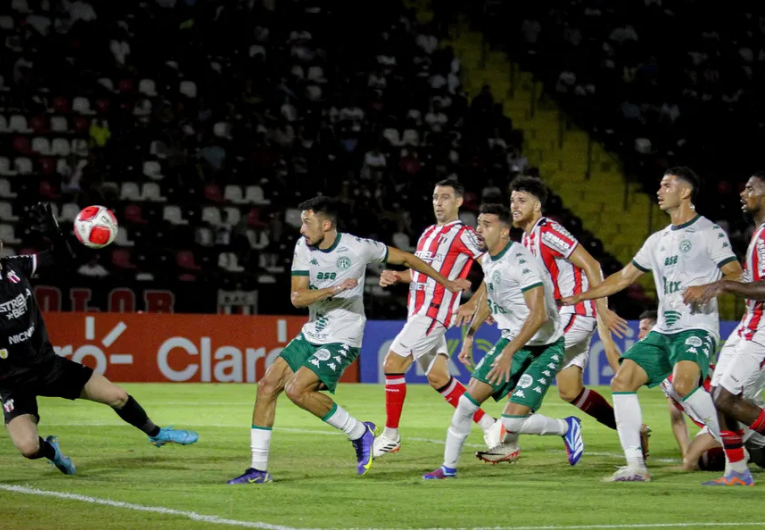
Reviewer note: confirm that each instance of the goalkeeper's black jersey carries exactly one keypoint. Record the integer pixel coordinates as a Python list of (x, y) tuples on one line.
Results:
[(24, 343)]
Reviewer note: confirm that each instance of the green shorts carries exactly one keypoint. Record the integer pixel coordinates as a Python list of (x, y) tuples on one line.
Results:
[(532, 372), (327, 361), (658, 353)]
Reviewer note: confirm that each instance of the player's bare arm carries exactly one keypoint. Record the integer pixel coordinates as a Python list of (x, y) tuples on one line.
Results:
[(584, 260), (535, 301), (467, 310), (613, 284), (399, 257), (389, 277), (303, 296), (478, 317), (704, 293), (612, 351)]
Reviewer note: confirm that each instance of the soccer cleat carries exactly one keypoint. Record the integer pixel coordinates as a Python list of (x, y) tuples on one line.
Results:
[(494, 435), (629, 474), (63, 463), (509, 453), (645, 434), (168, 435), (363, 447), (573, 440), (732, 478), (252, 476), (440, 473), (384, 445)]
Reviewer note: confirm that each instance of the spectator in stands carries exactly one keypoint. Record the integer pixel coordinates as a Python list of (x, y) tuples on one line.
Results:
[(99, 133), (93, 269)]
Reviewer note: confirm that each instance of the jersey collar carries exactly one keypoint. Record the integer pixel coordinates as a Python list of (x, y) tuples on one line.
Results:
[(685, 225), (502, 253), (334, 245)]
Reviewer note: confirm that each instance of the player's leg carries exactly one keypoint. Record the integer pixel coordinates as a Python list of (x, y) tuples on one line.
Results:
[(395, 367), (477, 392), (100, 390), (270, 387), (704, 453)]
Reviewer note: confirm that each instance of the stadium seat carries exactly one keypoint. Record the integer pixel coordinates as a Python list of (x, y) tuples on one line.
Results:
[(122, 240), (6, 212), (60, 105), (204, 237), (3, 124), (60, 147), (41, 145), (392, 136), (38, 124), (103, 105), (121, 259), (18, 123), (5, 190), (7, 252), (213, 194), (233, 194), (80, 147), (254, 220), (6, 23), (126, 86), (185, 260), (81, 105), (411, 138), (147, 87), (151, 192), (292, 217), (152, 169), (133, 213), (188, 89), (233, 216), (48, 191), (129, 191), (229, 262), (254, 195), (107, 83), (81, 125), (23, 165), (59, 124), (172, 214), (211, 215), (7, 234), (69, 212), (5, 167), (22, 145), (222, 129), (142, 107), (47, 165)]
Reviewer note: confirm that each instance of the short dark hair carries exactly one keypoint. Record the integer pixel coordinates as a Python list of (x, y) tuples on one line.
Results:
[(459, 189), (688, 175), (760, 175), (650, 315), (322, 205), (500, 210), (532, 186)]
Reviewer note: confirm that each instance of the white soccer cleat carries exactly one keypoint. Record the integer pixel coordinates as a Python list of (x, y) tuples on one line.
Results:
[(629, 474), (494, 435), (509, 453), (383, 444)]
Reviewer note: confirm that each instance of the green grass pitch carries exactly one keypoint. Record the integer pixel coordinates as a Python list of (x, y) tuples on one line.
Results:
[(315, 479)]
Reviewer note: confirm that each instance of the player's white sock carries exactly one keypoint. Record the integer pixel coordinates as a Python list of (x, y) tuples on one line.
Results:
[(534, 424), (260, 443), (701, 403), (458, 431), (339, 418), (629, 419), (486, 422)]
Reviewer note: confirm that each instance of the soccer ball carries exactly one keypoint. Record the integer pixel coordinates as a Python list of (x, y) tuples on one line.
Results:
[(95, 226)]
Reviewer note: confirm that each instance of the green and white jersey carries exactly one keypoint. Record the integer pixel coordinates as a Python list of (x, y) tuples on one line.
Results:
[(507, 276), (339, 318), (680, 257)]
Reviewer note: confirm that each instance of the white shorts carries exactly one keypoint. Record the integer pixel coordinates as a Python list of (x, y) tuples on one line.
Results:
[(578, 338), (421, 337), (740, 367)]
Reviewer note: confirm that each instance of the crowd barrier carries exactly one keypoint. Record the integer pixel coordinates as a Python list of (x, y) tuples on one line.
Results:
[(146, 347)]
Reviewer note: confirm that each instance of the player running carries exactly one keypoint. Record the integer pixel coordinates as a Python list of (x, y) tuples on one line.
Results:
[(29, 367), (739, 377), (526, 358), (690, 251), (450, 247), (328, 271)]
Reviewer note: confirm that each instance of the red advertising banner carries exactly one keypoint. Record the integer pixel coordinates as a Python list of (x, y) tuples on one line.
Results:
[(144, 347)]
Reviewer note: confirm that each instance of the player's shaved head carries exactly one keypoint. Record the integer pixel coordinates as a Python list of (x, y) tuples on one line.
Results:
[(753, 196)]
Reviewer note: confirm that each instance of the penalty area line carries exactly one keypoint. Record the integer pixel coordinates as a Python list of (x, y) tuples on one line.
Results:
[(213, 519)]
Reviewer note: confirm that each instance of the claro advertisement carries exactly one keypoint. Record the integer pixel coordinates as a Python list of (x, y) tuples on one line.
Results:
[(187, 348)]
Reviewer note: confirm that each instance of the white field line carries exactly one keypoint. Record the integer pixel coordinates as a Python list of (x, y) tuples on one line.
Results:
[(213, 519)]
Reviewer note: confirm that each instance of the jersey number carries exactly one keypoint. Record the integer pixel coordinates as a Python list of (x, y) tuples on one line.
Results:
[(326, 276)]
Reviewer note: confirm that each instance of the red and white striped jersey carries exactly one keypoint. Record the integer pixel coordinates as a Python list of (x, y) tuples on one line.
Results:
[(751, 327), (553, 244), (451, 249)]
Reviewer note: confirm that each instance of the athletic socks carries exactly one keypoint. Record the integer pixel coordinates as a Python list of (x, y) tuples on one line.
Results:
[(132, 413), (592, 403), (46, 451), (629, 419), (395, 394), (260, 444), (453, 391), (700, 402), (534, 424), (339, 418), (734, 451), (458, 430), (758, 425)]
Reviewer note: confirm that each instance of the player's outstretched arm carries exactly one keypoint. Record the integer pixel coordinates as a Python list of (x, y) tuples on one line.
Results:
[(701, 294), (399, 257), (302, 295), (609, 346), (61, 253), (389, 277), (535, 301), (584, 260), (612, 285)]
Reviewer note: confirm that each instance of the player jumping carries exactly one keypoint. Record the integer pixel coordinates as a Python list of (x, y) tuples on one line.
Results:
[(328, 271), (690, 251), (29, 367), (450, 247), (526, 358), (739, 377)]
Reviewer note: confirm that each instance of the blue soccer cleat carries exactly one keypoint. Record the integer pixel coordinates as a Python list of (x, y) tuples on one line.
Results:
[(252, 476), (440, 473), (363, 447), (732, 478), (63, 463), (168, 435), (573, 440)]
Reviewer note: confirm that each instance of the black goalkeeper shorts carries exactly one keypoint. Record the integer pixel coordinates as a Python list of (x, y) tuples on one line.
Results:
[(60, 377)]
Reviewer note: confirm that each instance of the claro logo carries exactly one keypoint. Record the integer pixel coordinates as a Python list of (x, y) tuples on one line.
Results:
[(96, 351)]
